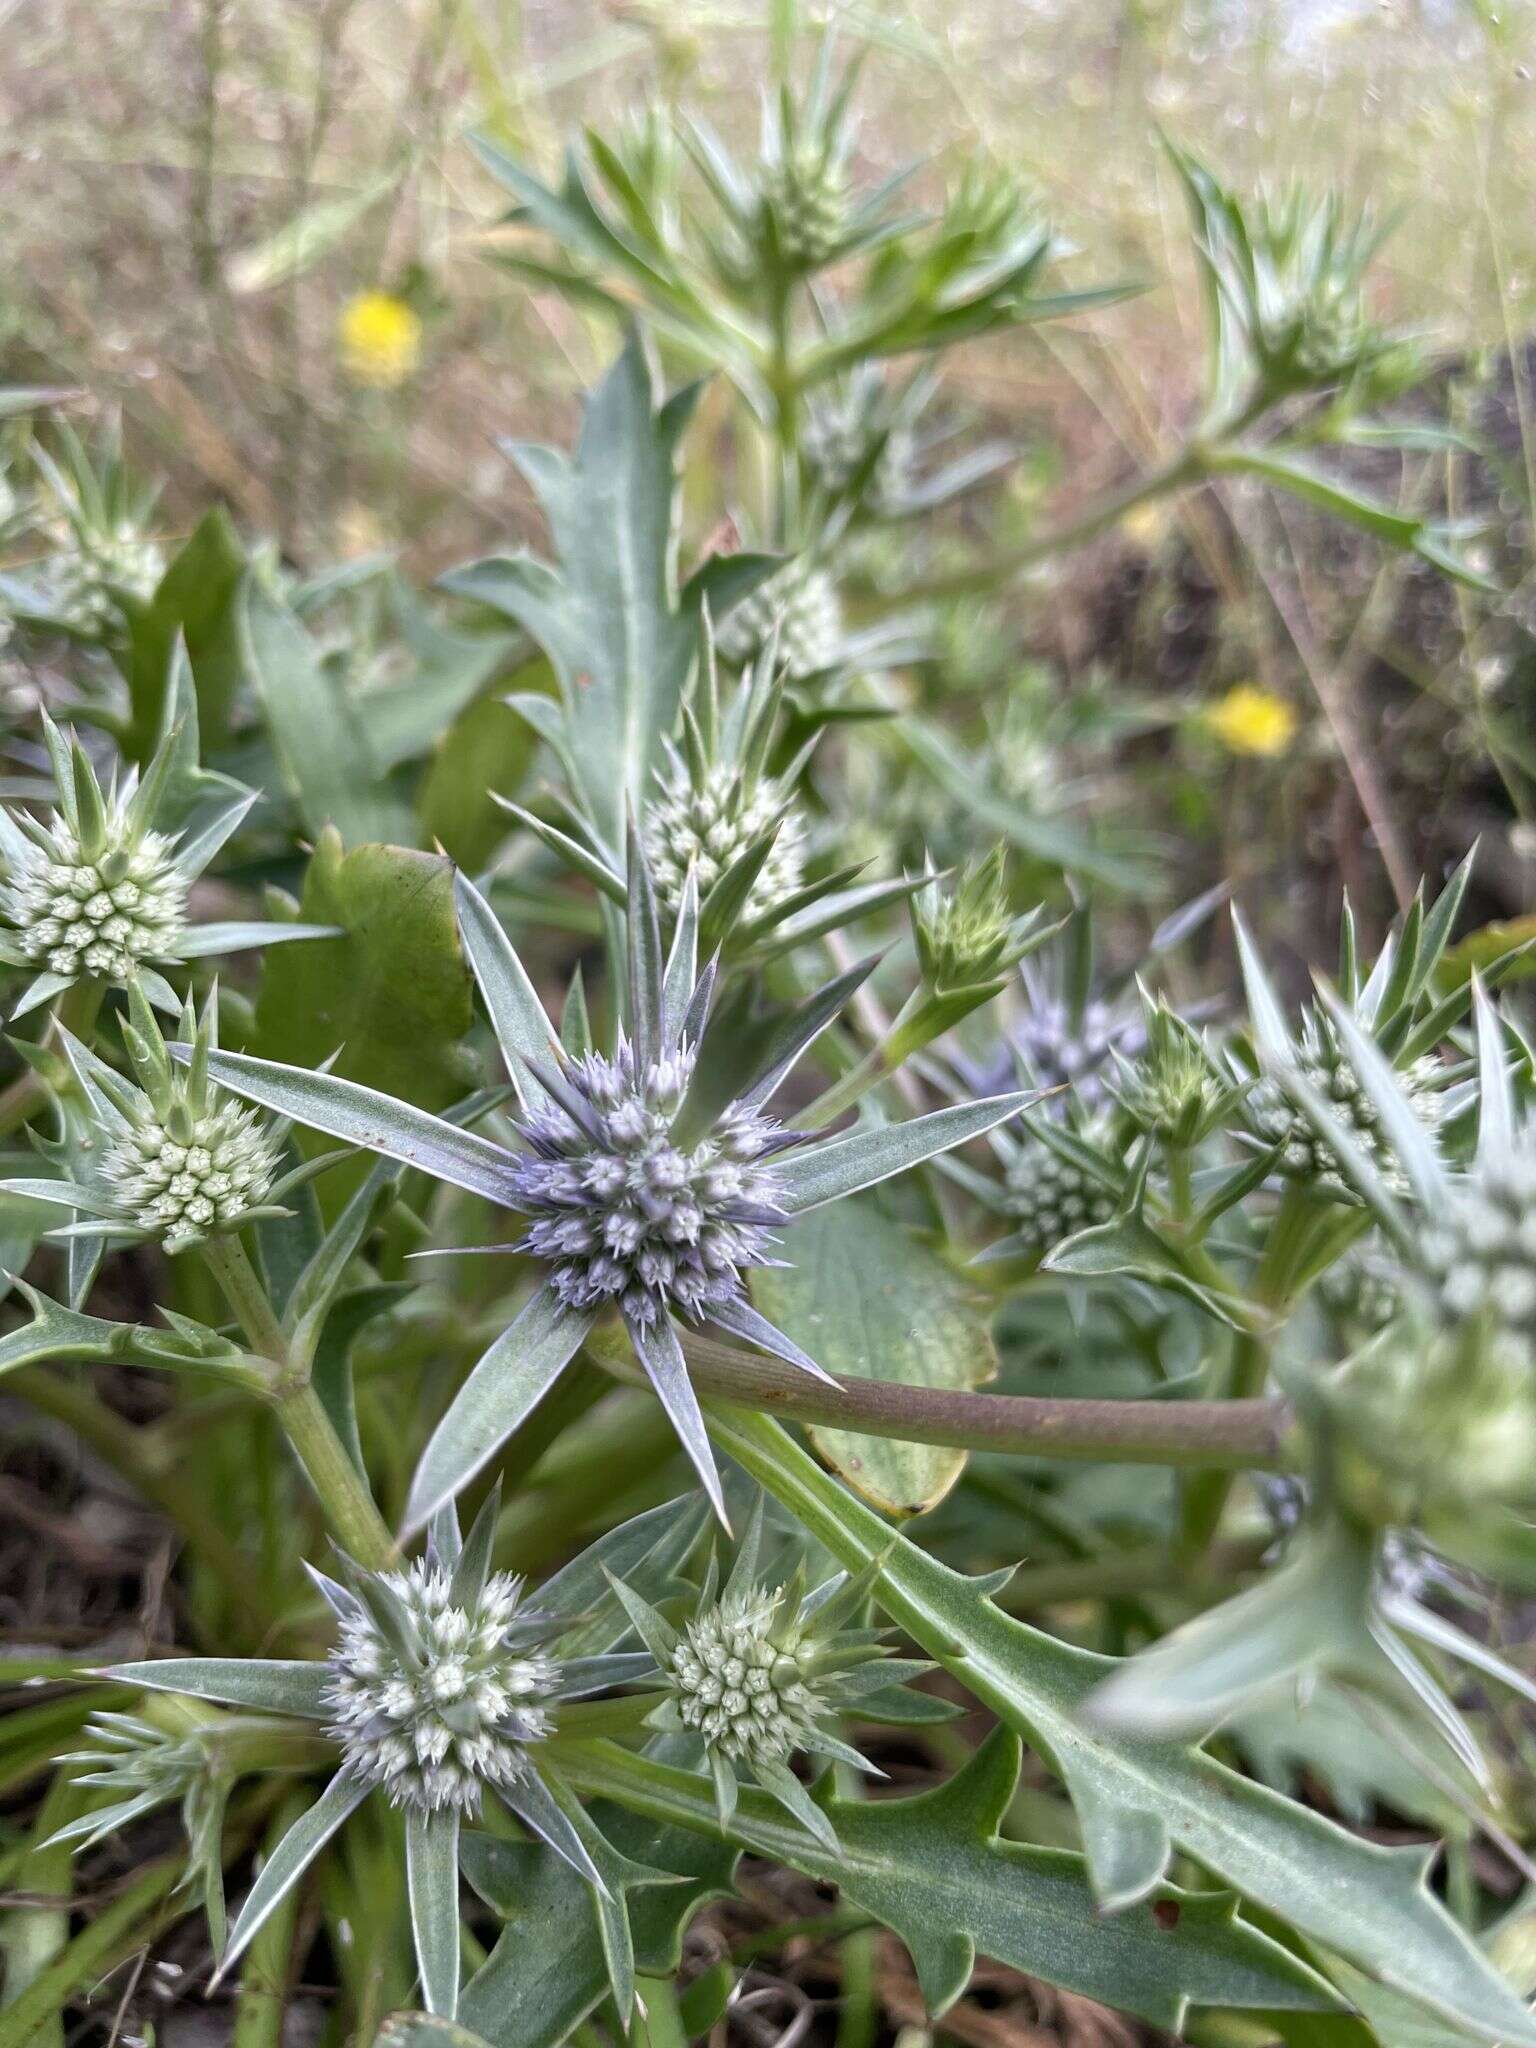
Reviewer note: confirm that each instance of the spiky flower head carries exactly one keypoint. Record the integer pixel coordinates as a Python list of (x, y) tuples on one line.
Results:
[(436, 1693), (1175, 1091), (106, 550), (622, 1212), (760, 1670), (1362, 1292), (795, 616), (803, 198), (172, 1157), (1478, 1250), (651, 1174), (92, 891), (1437, 1416), (1305, 1156), (968, 935), (706, 824), (1049, 1197), (857, 442)]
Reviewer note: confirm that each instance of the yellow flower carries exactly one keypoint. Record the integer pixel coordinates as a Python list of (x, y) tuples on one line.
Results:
[(1252, 721), (380, 340)]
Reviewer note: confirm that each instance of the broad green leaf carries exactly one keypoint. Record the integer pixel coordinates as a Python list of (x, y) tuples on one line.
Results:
[(1129, 1247), (934, 1870), (833, 1167), (392, 996), (1136, 1798), (547, 1970), (317, 730), (866, 1297), (197, 603), (488, 750), (610, 620)]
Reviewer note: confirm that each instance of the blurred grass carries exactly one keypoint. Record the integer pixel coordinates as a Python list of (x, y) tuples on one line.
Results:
[(195, 187)]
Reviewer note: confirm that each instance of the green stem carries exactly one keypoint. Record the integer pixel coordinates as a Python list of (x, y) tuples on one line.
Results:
[(1206, 1493), (1217, 1434), (349, 1508)]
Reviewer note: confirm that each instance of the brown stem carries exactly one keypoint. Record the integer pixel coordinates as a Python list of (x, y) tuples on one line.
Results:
[(1215, 1434)]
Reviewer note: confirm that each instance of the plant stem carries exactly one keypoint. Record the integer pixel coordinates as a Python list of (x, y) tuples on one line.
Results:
[(1213, 1434), (340, 1488), (342, 1491)]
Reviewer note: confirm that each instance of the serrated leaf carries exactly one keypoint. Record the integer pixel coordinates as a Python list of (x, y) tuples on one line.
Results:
[(547, 1970), (863, 1295), (610, 620), (933, 1869), (1135, 1798)]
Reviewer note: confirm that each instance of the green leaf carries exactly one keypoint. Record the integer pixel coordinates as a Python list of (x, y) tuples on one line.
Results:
[(934, 1870), (834, 1167), (864, 1295), (1131, 1248), (610, 620), (393, 994), (506, 1385), (1409, 531), (1136, 1798), (197, 603), (432, 1878), (317, 730), (547, 1970), (258, 1683)]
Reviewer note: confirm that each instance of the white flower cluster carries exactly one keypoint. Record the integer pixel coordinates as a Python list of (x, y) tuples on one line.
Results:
[(81, 581), (1050, 1198), (101, 917), (184, 1177), (804, 196), (744, 1691), (706, 828), (1479, 1250), (438, 1707), (836, 445), (802, 604), (1307, 1157)]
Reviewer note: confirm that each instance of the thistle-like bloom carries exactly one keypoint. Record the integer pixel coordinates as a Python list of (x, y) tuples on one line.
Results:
[(174, 1159), (1049, 1197), (653, 1175), (445, 1700), (796, 615), (98, 890), (804, 201), (707, 825), (107, 551), (624, 1214), (760, 1671), (1175, 1092), (967, 937), (440, 1691), (1305, 1156), (1478, 1248)]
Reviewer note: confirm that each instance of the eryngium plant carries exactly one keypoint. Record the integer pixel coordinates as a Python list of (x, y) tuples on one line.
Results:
[(441, 1690), (758, 1672), (97, 892), (795, 617), (653, 1176), (176, 1160)]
